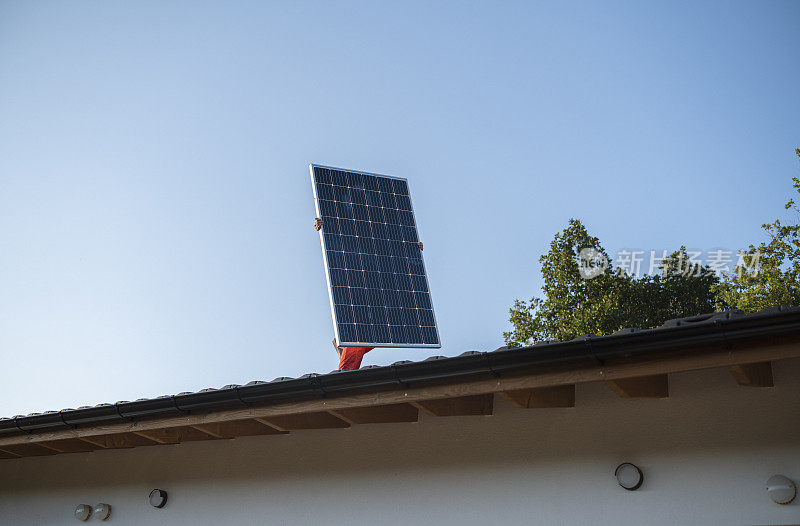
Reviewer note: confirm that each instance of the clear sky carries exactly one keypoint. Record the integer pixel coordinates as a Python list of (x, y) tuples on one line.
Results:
[(156, 208)]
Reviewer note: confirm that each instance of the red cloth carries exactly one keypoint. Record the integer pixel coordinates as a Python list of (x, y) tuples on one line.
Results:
[(350, 360)]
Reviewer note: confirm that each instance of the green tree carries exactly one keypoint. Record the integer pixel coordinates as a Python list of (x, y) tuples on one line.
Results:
[(681, 289), (572, 304), (768, 274), (611, 300)]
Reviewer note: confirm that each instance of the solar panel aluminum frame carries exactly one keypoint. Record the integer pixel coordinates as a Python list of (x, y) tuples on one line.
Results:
[(328, 274)]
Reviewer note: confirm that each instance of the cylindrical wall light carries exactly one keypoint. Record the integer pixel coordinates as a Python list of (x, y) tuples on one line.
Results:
[(102, 511), (82, 512), (158, 498), (781, 490), (629, 476)]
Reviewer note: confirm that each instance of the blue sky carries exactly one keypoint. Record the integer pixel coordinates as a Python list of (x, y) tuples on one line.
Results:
[(155, 204)]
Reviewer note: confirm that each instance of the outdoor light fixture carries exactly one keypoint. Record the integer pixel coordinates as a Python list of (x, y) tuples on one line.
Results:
[(102, 511), (82, 512), (629, 476), (158, 498), (781, 490)]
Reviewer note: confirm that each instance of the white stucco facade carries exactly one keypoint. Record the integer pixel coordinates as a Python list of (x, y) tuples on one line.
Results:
[(706, 452)]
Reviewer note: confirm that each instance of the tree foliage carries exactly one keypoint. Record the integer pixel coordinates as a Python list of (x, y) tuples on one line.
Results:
[(573, 306), (766, 275)]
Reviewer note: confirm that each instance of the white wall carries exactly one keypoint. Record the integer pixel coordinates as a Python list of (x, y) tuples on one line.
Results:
[(706, 452)]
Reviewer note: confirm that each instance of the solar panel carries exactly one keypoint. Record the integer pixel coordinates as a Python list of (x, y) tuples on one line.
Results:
[(376, 277)]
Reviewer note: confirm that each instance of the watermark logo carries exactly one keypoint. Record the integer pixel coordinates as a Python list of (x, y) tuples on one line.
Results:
[(691, 263), (591, 263)]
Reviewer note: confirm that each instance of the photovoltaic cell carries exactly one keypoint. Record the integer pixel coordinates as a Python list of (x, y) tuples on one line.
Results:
[(378, 286)]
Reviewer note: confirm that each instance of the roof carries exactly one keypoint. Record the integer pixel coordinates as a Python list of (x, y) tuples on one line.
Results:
[(395, 392)]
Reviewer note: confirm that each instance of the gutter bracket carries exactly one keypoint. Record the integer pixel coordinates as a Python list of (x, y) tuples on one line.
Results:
[(402, 384), (239, 396), (488, 359), (16, 423), (318, 386), (718, 323), (121, 416), (589, 342), (184, 411), (67, 424)]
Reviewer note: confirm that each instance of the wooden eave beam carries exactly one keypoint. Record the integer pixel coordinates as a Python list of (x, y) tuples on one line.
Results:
[(118, 440), (545, 376), (382, 414), (458, 406), (160, 436), (31, 449), (238, 428), (652, 386), (753, 374), (210, 431), (316, 420), (542, 397), (70, 445), (175, 435), (8, 454)]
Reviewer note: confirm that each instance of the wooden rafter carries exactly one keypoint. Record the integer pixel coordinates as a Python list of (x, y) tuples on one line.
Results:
[(70, 445), (117, 440), (556, 396), (382, 414), (175, 435), (28, 450), (458, 406), (653, 386), (753, 374), (8, 454), (317, 420), (238, 428)]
